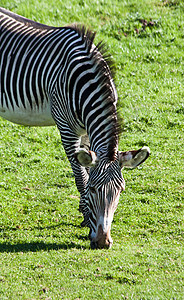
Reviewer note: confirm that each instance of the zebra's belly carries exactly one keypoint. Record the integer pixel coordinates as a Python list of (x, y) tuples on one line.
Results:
[(27, 116)]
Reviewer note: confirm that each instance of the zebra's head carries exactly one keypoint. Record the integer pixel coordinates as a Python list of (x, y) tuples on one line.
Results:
[(103, 190)]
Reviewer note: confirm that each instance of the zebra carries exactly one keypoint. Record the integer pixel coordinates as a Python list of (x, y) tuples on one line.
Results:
[(57, 76)]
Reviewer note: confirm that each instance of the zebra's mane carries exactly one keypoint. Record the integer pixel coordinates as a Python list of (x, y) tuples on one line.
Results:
[(105, 68), (100, 49)]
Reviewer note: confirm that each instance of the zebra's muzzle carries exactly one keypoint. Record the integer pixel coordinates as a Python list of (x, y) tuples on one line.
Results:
[(102, 240), (96, 245)]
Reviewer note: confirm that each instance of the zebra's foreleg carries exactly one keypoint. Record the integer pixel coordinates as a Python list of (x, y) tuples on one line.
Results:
[(71, 143), (81, 179)]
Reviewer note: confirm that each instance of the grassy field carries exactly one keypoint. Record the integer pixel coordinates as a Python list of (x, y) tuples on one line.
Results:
[(44, 253)]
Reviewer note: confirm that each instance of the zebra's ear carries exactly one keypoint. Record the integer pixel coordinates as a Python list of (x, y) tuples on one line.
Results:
[(132, 159), (86, 158)]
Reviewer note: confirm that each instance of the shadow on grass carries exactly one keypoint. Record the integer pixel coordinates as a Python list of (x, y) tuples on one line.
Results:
[(41, 246), (36, 247)]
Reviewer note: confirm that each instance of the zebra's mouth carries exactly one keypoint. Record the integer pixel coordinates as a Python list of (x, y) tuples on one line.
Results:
[(96, 245)]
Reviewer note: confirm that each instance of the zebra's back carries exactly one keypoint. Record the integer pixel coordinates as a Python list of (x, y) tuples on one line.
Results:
[(31, 56)]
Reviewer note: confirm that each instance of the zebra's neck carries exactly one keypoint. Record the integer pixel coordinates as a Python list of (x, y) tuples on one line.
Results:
[(104, 141), (92, 96)]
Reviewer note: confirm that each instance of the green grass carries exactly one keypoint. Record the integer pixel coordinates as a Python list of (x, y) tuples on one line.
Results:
[(44, 253)]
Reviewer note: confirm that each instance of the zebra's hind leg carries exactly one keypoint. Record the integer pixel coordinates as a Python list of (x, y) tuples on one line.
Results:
[(85, 212)]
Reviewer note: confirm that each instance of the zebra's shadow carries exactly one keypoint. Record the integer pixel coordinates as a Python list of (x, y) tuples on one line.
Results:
[(36, 246)]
